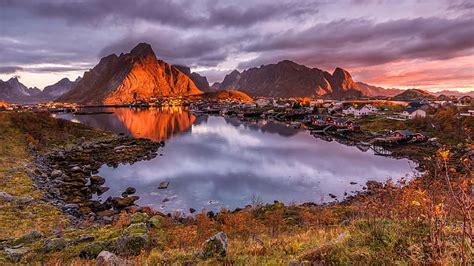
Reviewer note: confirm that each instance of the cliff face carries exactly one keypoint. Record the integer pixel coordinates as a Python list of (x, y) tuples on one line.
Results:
[(200, 81), (137, 75), (288, 79)]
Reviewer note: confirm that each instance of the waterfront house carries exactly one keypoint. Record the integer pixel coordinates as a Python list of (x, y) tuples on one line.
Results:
[(342, 122), (402, 134), (354, 127)]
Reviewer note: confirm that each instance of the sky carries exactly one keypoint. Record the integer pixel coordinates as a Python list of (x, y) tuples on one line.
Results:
[(425, 44)]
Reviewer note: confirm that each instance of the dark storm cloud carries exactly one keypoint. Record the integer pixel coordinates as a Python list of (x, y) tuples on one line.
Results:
[(9, 69), (365, 42), (175, 13), (211, 35)]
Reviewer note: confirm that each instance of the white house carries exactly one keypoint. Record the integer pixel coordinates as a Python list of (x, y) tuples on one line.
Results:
[(468, 113), (316, 103), (263, 102), (413, 113), (349, 110)]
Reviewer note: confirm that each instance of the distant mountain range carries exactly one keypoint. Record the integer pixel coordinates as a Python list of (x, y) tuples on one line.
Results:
[(139, 75), (13, 91)]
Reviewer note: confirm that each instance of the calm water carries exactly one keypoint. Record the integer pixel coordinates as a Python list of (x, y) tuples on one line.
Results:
[(216, 162)]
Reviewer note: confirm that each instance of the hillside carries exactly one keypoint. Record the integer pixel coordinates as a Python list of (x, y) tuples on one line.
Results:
[(413, 94), (233, 95)]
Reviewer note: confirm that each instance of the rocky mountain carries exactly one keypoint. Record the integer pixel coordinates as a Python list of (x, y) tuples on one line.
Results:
[(289, 79), (200, 81), (137, 75), (371, 90), (13, 91), (59, 88), (413, 94)]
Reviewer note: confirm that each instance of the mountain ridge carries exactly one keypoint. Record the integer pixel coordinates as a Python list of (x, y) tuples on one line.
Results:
[(137, 75)]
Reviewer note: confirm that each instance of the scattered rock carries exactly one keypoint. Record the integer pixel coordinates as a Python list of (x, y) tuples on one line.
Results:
[(163, 185), (332, 196), (56, 173), (71, 208), (97, 180), (85, 238), (5, 196), (102, 190), (130, 190), (120, 203), (92, 250), (216, 246), (76, 169), (25, 200), (106, 258), (353, 183), (295, 263), (55, 244), (15, 254), (131, 245), (191, 210)]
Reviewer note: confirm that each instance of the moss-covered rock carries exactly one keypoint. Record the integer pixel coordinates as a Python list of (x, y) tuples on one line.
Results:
[(215, 246), (139, 217), (131, 245), (92, 250), (55, 244), (28, 238), (138, 228), (156, 221)]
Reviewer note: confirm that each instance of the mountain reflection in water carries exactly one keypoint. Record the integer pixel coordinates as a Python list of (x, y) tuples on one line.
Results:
[(216, 162), (153, 123)]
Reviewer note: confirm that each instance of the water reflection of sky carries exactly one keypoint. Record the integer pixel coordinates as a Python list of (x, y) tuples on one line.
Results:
[(223, 163)]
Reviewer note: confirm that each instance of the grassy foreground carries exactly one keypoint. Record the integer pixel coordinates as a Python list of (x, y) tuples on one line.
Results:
[(424, 221)]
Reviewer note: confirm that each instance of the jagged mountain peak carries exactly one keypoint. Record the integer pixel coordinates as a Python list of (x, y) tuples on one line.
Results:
[(133, 76), (289, 79), (142, 50)]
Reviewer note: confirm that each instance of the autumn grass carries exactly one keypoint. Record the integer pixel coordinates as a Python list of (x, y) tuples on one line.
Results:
[(15, 162), (393, 224)]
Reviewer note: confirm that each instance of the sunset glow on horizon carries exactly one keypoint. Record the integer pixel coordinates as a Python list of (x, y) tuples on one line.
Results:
[(392, 44)]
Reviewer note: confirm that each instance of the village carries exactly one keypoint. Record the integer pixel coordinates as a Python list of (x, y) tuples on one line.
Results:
[(327, 119)]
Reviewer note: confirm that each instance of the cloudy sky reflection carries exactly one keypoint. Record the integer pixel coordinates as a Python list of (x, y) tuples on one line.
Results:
[(221, 164)]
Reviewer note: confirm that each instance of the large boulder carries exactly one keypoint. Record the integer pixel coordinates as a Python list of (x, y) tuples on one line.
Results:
[(28, 238), (15, 254), (131, 245), (216, 246), (55, 244), (92, 250), (106, 258)]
